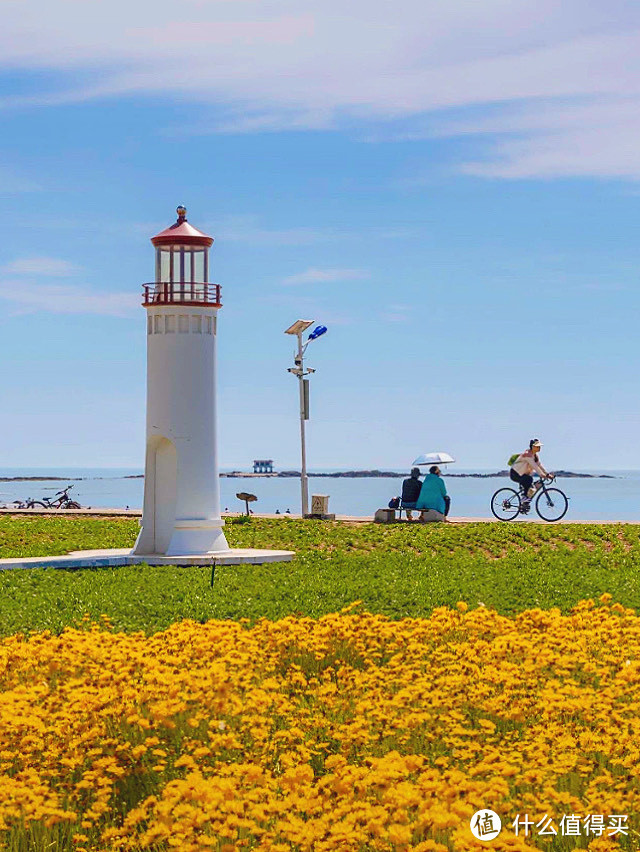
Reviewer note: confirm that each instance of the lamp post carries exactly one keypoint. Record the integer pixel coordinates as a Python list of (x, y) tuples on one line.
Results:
[(298, 329)]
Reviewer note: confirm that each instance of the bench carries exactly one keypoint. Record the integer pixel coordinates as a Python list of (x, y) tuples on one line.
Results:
[(388, 516), (404, 506), (428, 515)]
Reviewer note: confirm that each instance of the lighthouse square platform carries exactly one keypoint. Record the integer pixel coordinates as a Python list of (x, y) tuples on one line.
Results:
[(116, 557)]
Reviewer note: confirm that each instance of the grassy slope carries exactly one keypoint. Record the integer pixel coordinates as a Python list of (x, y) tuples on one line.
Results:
[(396, 570)]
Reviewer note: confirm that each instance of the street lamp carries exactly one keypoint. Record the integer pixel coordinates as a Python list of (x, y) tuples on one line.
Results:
[(298, 329)]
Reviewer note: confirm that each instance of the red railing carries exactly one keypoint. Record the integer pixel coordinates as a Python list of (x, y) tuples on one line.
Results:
[(187, 293)]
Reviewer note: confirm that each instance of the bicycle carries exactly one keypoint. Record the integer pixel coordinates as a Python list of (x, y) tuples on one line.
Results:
[(551, 504), (29, 503), (60, 501)]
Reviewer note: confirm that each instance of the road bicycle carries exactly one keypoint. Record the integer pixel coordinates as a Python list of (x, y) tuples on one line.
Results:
[(551, 504)]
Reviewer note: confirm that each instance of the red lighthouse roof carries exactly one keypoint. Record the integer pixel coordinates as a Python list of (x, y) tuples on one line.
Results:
[(181, 232)]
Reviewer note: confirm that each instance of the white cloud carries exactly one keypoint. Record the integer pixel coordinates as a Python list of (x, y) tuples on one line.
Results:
[(27, 297), (548, 140), (45, 266), (313, 275), (332, 64)]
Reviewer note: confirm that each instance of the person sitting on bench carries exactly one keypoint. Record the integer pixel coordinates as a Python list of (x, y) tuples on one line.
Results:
[(410, 492), (433, 494)]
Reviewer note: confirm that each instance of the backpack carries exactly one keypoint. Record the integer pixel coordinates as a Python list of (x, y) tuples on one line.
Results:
[(394, 503), (513, 459)]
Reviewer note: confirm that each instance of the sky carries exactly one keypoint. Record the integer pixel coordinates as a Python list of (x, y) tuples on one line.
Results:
[(452, 188)]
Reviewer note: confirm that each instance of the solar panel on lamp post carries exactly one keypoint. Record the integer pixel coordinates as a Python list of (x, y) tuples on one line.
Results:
[(297, 329)]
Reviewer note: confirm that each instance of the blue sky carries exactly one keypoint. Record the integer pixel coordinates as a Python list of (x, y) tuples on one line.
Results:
[(451, 188)]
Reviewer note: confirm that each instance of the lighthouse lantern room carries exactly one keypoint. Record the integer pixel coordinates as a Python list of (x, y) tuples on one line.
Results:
[(181, 512)]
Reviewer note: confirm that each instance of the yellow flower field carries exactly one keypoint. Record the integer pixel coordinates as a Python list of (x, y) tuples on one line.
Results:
[(351, 732)]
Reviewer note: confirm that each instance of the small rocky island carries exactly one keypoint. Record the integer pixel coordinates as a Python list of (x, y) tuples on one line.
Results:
[(394, 474), (340, 474), (566, 474)]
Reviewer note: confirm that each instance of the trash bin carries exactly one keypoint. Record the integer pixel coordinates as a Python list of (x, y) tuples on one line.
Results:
[(319, 504)]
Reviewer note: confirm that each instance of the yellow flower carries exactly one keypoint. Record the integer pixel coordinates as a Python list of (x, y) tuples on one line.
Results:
[(352, 731)]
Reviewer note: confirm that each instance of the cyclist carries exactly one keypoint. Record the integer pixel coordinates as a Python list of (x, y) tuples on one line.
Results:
[(524, 466)]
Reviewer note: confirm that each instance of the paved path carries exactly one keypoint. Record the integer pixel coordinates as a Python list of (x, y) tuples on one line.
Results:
[(351, 519)]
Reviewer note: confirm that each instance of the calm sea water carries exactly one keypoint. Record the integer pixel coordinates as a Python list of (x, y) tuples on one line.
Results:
[(590, 499)]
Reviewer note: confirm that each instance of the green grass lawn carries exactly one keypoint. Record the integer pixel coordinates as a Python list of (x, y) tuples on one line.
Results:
[(399, 570)]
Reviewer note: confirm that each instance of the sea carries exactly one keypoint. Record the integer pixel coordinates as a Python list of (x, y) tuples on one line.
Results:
[(615, 499)]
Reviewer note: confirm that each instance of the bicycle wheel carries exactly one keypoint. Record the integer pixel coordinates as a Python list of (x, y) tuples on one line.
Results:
[(35, 504), (552, 504), (505, 504), (72, 505)]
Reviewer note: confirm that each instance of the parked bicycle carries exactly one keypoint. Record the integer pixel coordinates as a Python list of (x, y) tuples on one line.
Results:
[(551, 504), (29, 503), (60, 501)]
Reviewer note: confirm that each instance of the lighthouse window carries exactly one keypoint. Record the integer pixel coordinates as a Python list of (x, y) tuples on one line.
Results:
[(164, 266), (196, 324), (183, 323), (158, 321), (198, 270), (169, 324), (187, 265), (208, 325), (149, 325)]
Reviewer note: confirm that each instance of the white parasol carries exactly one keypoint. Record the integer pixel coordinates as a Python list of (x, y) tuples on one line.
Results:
[(433, 458)]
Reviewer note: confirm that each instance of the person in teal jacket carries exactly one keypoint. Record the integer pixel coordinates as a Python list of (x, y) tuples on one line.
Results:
[(433, 494)]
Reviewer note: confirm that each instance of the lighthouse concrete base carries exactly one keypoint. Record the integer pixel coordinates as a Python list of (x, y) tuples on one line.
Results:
[(124, 556)]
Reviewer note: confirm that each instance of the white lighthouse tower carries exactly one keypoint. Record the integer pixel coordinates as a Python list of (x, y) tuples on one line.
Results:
[(181, 512), (181, 522)]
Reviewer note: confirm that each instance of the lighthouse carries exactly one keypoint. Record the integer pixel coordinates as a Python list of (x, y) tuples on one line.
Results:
[(181, 522), (181, 510)]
